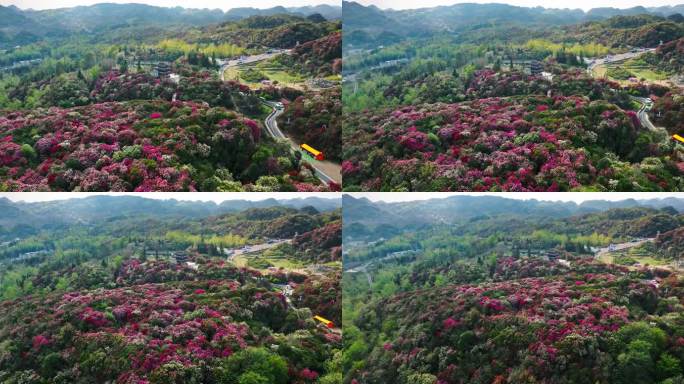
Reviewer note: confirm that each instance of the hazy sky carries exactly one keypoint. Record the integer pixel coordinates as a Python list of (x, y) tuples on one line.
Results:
[(212, 4), (548, 196), (583, 4), (199, 196)]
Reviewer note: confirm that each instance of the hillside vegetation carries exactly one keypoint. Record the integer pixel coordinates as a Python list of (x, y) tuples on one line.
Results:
[(528, 297), (151, 298)]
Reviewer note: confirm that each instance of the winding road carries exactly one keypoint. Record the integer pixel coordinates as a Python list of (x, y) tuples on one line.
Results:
[(642, 114), (620, 57), (646, 105), (326, 171), (620, 247), (252, 248), (364, 267)]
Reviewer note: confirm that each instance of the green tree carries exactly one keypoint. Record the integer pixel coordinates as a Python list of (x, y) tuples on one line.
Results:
[(253, 366), (668, 366)]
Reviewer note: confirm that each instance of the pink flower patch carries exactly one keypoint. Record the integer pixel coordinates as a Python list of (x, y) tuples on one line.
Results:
[(449, 323), (39, 341)]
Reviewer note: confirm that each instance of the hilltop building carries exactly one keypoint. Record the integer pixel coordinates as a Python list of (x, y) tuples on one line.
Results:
[(162, 69), (552, 254), (181, 257), (535, 67)]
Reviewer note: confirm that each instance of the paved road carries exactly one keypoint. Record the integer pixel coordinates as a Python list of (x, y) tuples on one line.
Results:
[(254, 248), (620, 247), (326, 171), (250, 60), (646, 105), (287, 293), (364, 267), (620, 57)]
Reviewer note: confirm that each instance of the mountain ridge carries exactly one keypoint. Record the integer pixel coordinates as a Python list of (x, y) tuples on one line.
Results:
[(453, 208), (370, 25), (24, 26), (104, 207)]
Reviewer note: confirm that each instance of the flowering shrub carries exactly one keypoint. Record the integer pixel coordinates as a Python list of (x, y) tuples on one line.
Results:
[(578, 324), (39, 341), (323, 295), (533, 143), (194, 86), (322, 244), (668, 111), (115, 86), (143, 332), (321, 57), (138, 146), (314, 119)]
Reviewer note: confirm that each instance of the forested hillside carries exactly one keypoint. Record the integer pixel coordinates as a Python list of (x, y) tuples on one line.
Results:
[(152, 298), (515, 297), (371, 26), (163, 103), (512, 100), (22, 27)]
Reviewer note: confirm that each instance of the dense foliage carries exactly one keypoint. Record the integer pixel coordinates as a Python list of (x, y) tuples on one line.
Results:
[(511, 144), (632, 31), (278, 31), (524, 298), (592, 324), (112, 301), (321, 57), (147, 108), (669, 112), (187, 332), (669, 56), (322, 244), (144, 146), (314, 119)]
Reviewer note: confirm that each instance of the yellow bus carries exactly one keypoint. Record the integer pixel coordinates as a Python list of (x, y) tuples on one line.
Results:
[(325, 321), (316, 154)]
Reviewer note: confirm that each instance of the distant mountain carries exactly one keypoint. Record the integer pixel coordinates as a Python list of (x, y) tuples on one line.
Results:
[(369, 25), (603, 205), (668, 10), (106, 15), (18, 27), (366, 211), (357, 15), (606, 12), (105, 207), (328, 11), (461, 208)]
